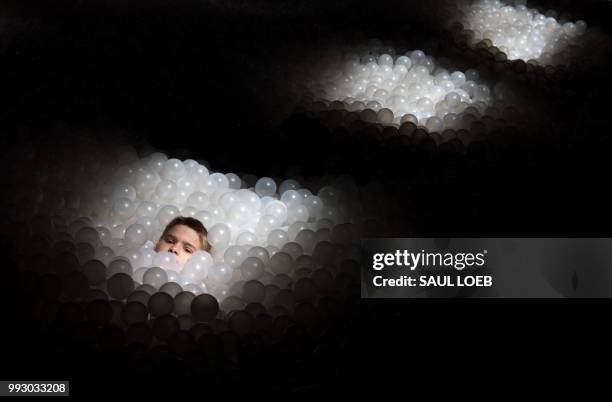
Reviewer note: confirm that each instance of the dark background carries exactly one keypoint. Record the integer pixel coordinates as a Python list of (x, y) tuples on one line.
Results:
[(211, 77)]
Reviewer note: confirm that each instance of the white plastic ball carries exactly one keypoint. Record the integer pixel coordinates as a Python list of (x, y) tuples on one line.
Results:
[(265, 187), (155, 277), (219, 235)]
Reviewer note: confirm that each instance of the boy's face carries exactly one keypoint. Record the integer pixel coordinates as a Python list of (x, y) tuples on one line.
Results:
[(180, 240)]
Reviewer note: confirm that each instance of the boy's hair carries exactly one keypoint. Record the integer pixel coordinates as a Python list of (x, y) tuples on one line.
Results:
[(192, 223)]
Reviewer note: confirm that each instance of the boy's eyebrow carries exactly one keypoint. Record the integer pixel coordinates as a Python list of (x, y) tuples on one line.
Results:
[(188, 245), (170, 236)]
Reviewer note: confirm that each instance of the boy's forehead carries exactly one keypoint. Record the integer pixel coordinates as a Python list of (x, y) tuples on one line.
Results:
[(185, 233)]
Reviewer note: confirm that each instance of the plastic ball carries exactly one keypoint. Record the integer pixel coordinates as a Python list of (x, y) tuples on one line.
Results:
[(155, 277), (166, 261), (166, 214), (265, 187), (124, 208), (278, 238), (260, 253), (182, 303), (234, 256), (281, 263), (219, 235), (204, 307), (197, 267), (135, 235), (119, 265), (160, 303), (252, 268), (221, 272), (193, 288), (253, 291), (173, 170), (120, 285), (134, 312)]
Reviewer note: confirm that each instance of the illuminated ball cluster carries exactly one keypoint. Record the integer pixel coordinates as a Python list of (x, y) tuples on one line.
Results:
[(96, 216), (376, 85), (519, 32)]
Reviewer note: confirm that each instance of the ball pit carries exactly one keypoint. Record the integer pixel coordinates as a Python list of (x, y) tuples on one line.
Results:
[(514, 31), (95, 219), (376, 85)]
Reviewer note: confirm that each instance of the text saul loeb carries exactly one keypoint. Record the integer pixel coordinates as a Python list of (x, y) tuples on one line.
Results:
[(412, 261)]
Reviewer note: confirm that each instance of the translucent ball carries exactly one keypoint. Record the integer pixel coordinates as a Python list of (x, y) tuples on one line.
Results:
[(155, 277), (119, 286), (166, 261), (234, 256), (124, 191), (232, 303), (472, 75), (134, 257), (196, 268), (156, 161), (160, 303), (166, 190), (298, 213), (219, 291), (95, 271), (281, 263), (173, 170), (288, 185), (293, 249), (173, 276), (117, 232), (259, 252), (291, 198), (239, 213), (221, 272), (227, 199), (234, 181), (139, 273), (278, 210), (458, 78), (250, 199), (182, 303), (124, 208), (265, 187), (88, 235), (314, 205), (193, 288), (104, 235), (246, 238), (278, 238), (134, 312), (385, 116), (198, 200), (166, 214), (171, 288), (146, 208), (119, 265), (252, 268), (307, 239), (147, 255), (434, 124), (220, 180), (295, 228), (207, 218), (219, 235), (204, 308), (135, 235)]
